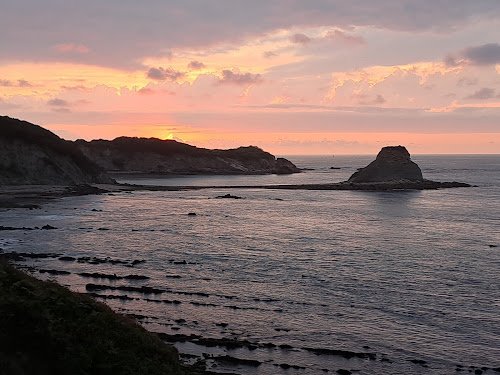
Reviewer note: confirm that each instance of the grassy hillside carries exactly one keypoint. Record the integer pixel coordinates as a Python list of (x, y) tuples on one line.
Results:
[(46, 329), (31, 154)]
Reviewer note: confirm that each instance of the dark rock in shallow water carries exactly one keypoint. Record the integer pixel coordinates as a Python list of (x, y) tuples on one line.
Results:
[(418, 362), (97, 275), (393, 163), (136, 277), (14, 228), (67, 259), (238, 361), (20, 256), (142, 289), (229, 196), (287, 366), (47, 226), (342, 353)]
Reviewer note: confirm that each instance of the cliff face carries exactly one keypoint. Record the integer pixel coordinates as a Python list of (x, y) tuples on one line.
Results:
[(393, 163), (151, 155), (30, 154)]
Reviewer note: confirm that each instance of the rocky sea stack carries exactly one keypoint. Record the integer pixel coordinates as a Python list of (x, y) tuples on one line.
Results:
[(393, 163)]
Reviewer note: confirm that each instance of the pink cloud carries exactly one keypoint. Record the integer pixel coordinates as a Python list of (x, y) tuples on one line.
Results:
[(342, 36), (269, 54), (71, 47), (300, 39)]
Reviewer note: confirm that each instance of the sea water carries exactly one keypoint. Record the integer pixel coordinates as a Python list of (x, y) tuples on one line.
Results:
[(411, 276)]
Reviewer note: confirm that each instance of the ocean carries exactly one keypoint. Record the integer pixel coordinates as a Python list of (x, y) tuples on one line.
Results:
[(304, 282)]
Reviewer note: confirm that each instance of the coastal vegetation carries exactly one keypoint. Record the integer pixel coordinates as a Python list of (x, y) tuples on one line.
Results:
[(47, 329), (30, 154)]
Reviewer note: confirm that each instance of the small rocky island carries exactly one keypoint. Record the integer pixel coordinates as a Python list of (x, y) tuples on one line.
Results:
[(393, 163), (394, 169), (31, 155)]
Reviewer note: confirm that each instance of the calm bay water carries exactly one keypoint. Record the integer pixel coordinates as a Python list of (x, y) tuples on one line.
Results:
[(407, 275)]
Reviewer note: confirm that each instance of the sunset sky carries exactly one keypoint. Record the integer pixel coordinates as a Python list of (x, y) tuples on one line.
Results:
[(290, 76)]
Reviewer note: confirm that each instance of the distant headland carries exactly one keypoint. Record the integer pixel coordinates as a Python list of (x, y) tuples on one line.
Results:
[(31, 155)]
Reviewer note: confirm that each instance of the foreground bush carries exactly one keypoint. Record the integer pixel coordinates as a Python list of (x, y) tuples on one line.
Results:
[(47, 329)]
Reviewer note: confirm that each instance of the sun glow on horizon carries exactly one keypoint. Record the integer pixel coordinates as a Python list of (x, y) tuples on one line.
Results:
[(290, 87)]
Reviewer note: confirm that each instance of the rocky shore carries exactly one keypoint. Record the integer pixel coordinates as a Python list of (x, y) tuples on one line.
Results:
[(36, 166), (33, 196), (45, 329)]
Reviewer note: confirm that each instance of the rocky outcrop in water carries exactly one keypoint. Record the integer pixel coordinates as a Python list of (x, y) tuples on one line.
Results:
[(32, 155), (393, 163), (152, 155)]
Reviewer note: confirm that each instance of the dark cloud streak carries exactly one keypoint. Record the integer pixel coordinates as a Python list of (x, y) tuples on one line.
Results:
[(483, 94), (20, 83), (300, 38), (56, 102), (196, 65), (239, 78), (162, 74), (487, 54)]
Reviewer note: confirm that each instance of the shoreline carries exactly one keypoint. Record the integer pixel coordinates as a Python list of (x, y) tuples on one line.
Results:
[(209, 342), (233, 353), (33, 196)]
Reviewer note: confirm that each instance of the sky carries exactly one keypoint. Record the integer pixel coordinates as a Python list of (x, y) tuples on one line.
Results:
[(289, 76)]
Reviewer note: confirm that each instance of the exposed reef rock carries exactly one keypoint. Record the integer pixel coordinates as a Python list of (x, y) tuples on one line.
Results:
[(30, 154), (152, 155), (393, 163)]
